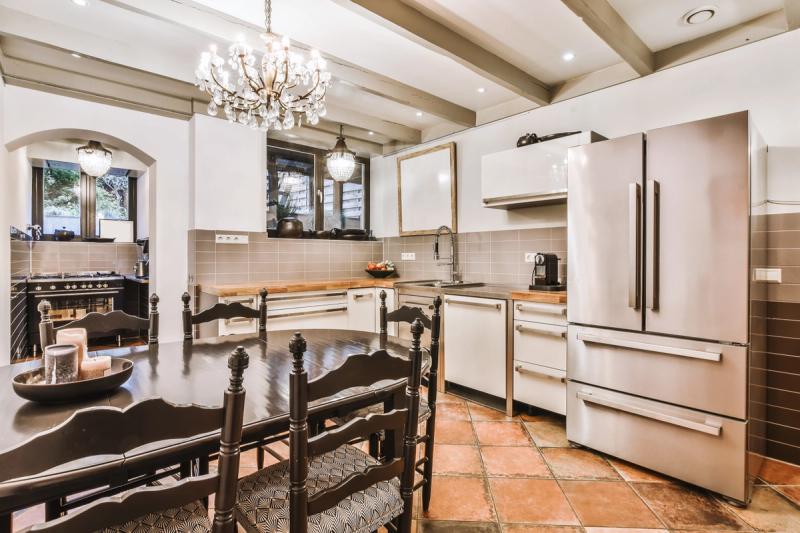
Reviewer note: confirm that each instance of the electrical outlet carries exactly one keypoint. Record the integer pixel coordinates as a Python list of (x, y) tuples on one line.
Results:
[(408, 256), (770, 275), (231, 239), (530, 257)]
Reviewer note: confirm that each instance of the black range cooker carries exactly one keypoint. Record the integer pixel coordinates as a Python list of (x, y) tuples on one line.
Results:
[(72, 296)]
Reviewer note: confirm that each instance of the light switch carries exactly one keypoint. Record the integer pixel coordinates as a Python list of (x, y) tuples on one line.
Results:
[(408, 256), (770, 275), (231, 239)]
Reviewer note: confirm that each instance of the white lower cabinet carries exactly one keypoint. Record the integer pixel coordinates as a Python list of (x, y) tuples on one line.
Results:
[(475, 339), (540, 355), (361, 309), (233, 326), (308, 310)]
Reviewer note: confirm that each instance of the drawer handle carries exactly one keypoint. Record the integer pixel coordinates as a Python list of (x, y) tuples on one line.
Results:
[(307, 313), (248, 301), (238, 320), (540, 331), (357, 296), (708, 428), (414, 302), (522, 370), (655, 348), (306, 296), (541, 308), (474, 304)]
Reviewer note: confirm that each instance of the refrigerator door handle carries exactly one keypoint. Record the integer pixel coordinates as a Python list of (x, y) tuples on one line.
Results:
[(634, 243), (653, 207), (709, 427), (647, 347)]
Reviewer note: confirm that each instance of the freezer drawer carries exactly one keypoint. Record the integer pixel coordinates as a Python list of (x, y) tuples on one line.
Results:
[(543, 313), (540, 344), (540, 386), (701, 375), (705, 450)]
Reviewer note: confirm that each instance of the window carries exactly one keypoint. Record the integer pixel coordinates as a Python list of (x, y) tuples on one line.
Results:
[(299, 185), (64, 197)]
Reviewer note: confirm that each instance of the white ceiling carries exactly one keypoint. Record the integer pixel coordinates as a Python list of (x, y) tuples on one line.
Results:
[(660, 23)]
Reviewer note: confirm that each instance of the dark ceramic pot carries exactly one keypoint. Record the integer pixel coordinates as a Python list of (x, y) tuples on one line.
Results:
[(64, 234), (290, 228)]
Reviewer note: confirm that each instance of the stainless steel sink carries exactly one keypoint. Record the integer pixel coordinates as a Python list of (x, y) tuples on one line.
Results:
[(448, 285)]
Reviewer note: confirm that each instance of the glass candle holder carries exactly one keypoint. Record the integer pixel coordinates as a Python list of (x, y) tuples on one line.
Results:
[(61, 364)]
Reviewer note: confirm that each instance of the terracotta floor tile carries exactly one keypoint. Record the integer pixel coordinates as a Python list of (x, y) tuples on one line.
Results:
[(548, 433), (454, 459), (790, 491), (570, 463), (452, 411), (630, 472), (428, 526), (460, 498), (608, 504), (534, 501), (769, 511), (778, 473), (525, 528), (501, 434), (514, 461), (442, 397), (623, 530), (680, 507), (454, 432), (480, 412)]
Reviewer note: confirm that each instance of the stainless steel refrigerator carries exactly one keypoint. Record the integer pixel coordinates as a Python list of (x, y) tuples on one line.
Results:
[(660, 296)]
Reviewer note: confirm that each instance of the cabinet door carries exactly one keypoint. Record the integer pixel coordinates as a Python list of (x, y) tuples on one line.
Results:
[(391, 327), (361, 309), (475, 337)]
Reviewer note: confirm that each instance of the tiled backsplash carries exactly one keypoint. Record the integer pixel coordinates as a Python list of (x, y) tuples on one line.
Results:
[(264, 259), (489, 256), (51, 256)]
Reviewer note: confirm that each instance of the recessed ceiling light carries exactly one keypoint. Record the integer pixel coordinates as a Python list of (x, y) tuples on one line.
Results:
[(568, 56), (370, 133), (291, 135), (481, 90), (700, 15), (81, 3), (419, 113), (76, 55)]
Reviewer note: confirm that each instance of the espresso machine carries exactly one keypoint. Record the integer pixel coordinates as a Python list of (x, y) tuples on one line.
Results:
[(545, 273)]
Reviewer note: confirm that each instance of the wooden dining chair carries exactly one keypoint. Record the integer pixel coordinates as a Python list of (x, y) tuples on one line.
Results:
[(427, 411), (100, 324), (110, 431), (223, 311), (327, 484)]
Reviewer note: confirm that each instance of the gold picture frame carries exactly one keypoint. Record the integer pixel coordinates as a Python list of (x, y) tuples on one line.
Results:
[(431, 190)]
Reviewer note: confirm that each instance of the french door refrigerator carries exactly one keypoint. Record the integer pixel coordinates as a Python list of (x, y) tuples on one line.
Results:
[(659, 308)]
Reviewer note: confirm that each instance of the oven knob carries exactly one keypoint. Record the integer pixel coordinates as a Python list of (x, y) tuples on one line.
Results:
[(74, 286), (89, 286), (83, 285), (52, 287), (105, 285), (37, 288)]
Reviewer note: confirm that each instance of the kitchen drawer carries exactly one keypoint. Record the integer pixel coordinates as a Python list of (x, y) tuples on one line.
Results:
[(540, 344), (700, 375), (540, 386), (318, 317), (544, 313), (702, 449), (237, 325), (306, 299)]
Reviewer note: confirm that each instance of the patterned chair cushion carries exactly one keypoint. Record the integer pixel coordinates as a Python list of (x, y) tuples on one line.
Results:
[(191, 518), (263, 499)]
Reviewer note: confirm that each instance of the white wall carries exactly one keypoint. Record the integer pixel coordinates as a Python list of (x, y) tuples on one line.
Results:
[(229, 165), (166, 140), (143, 206), (783, 168), (761, 77), (5, 248)]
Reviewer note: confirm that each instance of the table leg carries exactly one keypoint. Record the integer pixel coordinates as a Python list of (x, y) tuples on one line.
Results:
[(7, 523)]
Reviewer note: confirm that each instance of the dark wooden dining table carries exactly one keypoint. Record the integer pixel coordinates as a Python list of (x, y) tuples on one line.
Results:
[(193, 372)]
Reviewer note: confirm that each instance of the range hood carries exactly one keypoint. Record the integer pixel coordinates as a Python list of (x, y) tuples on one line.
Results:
[(532, 175)]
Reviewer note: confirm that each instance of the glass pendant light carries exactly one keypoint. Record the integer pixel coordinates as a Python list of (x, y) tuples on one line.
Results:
[(94, 159), (341, 161)]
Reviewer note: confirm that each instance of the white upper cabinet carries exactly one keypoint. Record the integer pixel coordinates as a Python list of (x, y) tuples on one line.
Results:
[(530, 175)]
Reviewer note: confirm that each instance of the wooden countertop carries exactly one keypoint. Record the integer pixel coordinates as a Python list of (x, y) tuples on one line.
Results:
[(275, 287), (542, 297)]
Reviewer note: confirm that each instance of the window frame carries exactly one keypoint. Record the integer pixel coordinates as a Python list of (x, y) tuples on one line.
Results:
[(87, 199), (319, 180)]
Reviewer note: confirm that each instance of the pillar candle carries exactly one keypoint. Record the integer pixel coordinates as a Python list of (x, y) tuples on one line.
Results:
[(76, 336), (95, 367), (60, 363)]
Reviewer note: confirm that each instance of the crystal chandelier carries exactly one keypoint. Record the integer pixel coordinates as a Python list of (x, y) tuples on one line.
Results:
[(341, 161), (94, 159), (273, 93)]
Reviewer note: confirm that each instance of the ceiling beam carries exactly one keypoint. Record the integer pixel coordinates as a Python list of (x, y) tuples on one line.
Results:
[(405, 19), (365, 122), (720, 41), (218, 25), (607, 24), (791, 9), (312, 136)]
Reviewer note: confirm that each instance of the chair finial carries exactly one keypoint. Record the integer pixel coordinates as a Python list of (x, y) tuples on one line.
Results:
[(237, 362), (298, 347), (154, 299), (44, 308)]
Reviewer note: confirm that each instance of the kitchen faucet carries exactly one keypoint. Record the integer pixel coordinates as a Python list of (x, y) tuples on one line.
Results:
[(453, 256)]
